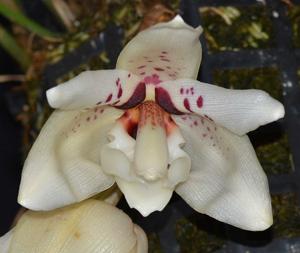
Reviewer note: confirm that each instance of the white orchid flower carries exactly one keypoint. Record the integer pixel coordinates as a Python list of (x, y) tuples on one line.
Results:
[(149, 126), (91, 226)]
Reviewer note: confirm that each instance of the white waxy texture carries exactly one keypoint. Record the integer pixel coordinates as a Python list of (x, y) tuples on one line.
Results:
[(151, 152), (240, 111), (63, 166), (90, 227), (5, 241), (166, 51), (226, 179), (94, 87)]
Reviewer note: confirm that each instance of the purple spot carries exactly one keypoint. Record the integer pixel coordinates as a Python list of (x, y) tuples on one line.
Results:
[(120, 92), (158, 69), (154, 79), (181, 91), (200, 102), (140, 67), (137, 97), (186, 104), (108, 98), (162, 97), (187, 91)]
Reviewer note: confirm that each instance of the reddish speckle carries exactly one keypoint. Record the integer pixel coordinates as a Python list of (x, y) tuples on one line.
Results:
[(78, 125), (142, 73), (118, 81), (200, 102), (154, 79), (186, 104), (102, 110), (181, 90), (96, 109), (120, 92), (159, 69), (192, 90), (108, 98), (129, 75), (204, 135), (195, 123), (184, 118), (140, 67), (208, 117)]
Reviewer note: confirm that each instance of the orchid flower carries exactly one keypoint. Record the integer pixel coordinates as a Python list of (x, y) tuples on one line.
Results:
[(91, 226), (152, 129)]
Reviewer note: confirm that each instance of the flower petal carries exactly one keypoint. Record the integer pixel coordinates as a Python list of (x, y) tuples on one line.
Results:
[(240, 111), (5, 241), (226, 179), (63, 164), (91, 226), (100, 87), (165, 51)]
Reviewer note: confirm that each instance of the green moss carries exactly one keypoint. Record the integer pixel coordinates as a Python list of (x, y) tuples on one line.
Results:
[(267, 79), (286, 212), (154, 243), (294, 15), (275, 156), (192, 239), (233, 28)]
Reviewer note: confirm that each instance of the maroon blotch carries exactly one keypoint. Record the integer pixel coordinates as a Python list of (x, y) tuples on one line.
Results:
[(200, 102), (120, 92), (136, 98), (186, 104), (108, 98), (162, 97), (181, 90)]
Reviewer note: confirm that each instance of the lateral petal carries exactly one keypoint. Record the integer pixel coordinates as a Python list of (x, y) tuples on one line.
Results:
[(240, 111), (226, 180), (63, 166), (100, 87)]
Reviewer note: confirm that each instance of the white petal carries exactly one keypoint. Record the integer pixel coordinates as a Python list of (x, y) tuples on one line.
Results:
[(101, 87), (90, 227), (146, 197), (240, 111), (165, 51), (63, 165), (226, 179), (5, 241)]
